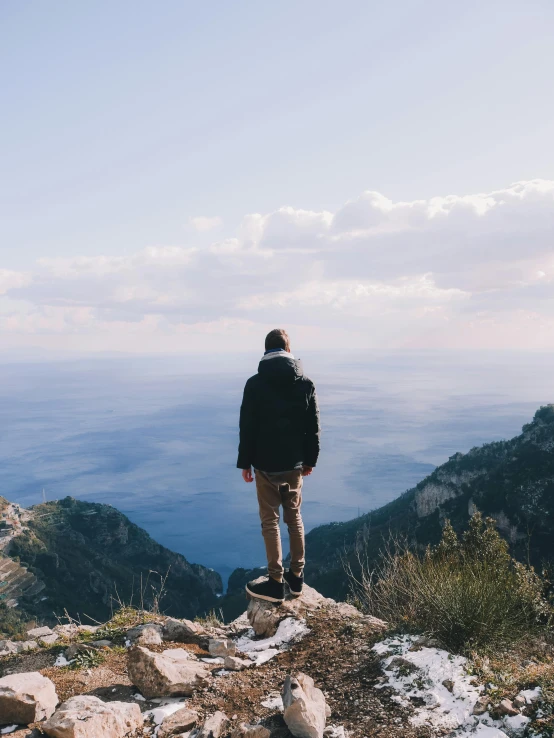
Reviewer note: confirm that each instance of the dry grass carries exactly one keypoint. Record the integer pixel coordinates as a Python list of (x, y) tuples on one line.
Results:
[(525, 665)]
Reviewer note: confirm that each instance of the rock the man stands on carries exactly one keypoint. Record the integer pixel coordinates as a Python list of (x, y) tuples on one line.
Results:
[(279, 439)]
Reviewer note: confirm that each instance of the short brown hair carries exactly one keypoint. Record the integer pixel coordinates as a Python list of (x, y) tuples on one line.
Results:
[(278, 338)]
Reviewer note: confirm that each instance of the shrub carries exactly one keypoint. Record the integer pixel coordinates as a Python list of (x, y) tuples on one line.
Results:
[(469, 592)]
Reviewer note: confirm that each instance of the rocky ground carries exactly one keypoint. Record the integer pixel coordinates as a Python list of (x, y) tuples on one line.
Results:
[(159, 677)]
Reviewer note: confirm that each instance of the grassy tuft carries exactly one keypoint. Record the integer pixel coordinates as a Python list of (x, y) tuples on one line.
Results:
[(468, 592)]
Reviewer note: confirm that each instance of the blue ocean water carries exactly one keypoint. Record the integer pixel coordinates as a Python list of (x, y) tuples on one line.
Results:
[(157, 437)]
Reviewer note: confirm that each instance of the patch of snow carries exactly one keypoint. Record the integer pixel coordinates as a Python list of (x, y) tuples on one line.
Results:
[(62, 661), (167, 707), (9, 729), (216, 660), (127, 643), (273, 702), (531, 695), (262, 656), (443, 709), (290, 631), (139, 697), (224, 672), (516, 725)]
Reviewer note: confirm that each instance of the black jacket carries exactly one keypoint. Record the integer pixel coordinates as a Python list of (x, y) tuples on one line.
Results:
[(279, 418)]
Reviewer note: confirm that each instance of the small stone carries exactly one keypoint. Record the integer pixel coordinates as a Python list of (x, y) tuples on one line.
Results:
[(178, 722), (40, 632), (402, 665), (335, 731), (519, 701), (233, 663), (182, 631), (221, 647), (146, 635), (481, 705), (506, 707), (448, 684), (214, 726), (250, 731), (26, 698)]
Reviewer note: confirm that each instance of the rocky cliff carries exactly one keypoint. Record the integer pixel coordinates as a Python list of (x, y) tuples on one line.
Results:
[(85, 558), (511, 481)]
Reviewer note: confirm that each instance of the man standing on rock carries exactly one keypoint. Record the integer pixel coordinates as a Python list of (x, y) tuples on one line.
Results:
[(279, 439)]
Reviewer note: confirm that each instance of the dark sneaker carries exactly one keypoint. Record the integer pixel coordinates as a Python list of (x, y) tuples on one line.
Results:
[(268, 589), (295, 583)]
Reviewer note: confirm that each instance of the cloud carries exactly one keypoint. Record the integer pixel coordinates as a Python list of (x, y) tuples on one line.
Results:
[(469, 271), (202, 223)]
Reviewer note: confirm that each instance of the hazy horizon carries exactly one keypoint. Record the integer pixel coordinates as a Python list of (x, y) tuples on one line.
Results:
[(157, 437)]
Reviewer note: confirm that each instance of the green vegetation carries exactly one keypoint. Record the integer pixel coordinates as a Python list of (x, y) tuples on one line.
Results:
[(467, 591), (92, 559), (511, 481), (12, 624)]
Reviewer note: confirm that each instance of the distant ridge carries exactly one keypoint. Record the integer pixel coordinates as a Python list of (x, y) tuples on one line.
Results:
[(85, 557)]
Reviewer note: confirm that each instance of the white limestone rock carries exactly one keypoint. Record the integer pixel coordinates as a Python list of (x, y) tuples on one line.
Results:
[(170, 673), (233, 663), (149, 634), (26, 698), (214, 726), (221, 647), (182, 631), (178, 722), (305, 707), (40, 632), (265, 616), (88, 717)]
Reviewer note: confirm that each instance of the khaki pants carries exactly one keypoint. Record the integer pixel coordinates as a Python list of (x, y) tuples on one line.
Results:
[(274, 490)]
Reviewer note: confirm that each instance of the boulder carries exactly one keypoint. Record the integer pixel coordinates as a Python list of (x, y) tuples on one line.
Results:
[(233, 663), (149, 634), (183, 631), (305, 707), (221, 647), (88, 717), (264, 617), (178, 722), (9, 647), (170, 673), (49, 639), (250, 731), (26, 698), (214, 726)]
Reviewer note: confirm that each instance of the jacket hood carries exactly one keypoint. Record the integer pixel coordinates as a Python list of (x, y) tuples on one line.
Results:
[(280, 370)]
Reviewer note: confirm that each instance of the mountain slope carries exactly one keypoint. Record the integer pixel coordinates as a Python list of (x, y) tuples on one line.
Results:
[(511, 481), (87, 554)]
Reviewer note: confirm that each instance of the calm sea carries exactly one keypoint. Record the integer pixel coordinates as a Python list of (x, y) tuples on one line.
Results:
[(157, 438)]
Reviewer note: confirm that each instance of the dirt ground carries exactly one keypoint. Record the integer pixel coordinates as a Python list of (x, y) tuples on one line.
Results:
[(336, 654)]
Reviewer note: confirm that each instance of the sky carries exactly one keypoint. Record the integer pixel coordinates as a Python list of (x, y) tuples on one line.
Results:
[(185, 176)]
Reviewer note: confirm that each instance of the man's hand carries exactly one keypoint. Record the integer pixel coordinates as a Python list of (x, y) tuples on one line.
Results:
[(247, 475), (307, 470)]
